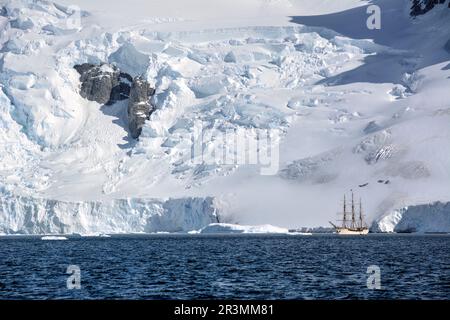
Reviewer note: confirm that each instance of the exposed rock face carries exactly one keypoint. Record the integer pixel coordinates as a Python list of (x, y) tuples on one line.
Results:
[(420, 7), (139, 107), (121, 90), (21, 23), (104, 83)]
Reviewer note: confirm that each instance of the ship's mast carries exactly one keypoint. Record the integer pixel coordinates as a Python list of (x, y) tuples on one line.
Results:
[(360, 214), (344, 222), (353, 212)]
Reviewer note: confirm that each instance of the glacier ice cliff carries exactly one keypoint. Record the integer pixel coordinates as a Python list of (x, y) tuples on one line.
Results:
[(433, 217), (28, 215)]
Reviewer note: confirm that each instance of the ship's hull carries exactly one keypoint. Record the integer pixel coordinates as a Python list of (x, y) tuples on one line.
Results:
[(346, 231)]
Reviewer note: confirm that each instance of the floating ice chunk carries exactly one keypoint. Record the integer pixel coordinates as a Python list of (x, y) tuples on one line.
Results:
[(54, 238), (235, 228), (96, 235), (300, 233)]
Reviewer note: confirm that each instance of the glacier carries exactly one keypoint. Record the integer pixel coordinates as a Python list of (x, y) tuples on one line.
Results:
[(431, 218), (355, 110), (26, 215)]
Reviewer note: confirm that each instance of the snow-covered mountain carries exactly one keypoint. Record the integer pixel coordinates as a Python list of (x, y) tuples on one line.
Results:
[(349, 108)]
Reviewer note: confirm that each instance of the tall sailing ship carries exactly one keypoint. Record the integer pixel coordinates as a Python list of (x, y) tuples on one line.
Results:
[(352, 225)]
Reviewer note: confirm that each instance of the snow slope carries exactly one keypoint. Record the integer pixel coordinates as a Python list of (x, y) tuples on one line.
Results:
[(352, 108)]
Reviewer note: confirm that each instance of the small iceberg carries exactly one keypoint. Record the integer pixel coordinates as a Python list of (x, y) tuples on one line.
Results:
[(300, 233), (227, 228), (95, 235), (104, 235), (53, 238)]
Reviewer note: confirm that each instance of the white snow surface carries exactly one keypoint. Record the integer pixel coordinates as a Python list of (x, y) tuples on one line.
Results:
[(353, 107)]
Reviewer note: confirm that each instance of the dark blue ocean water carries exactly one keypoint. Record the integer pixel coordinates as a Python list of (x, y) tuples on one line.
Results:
[(227, 267)]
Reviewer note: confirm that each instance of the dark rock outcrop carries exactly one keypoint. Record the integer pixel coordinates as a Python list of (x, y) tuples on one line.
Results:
[(103, 83), (420, 7), (139, 106)]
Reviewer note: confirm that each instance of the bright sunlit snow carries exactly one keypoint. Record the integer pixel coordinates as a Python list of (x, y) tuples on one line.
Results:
[(357, 109)]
